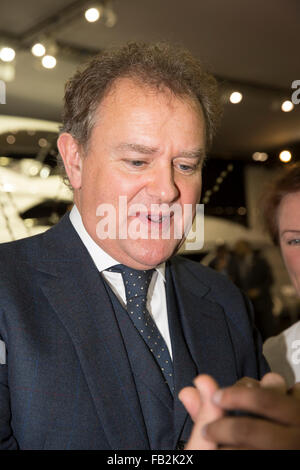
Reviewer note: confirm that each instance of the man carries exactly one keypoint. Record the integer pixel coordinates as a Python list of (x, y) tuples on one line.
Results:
[(86, 365)]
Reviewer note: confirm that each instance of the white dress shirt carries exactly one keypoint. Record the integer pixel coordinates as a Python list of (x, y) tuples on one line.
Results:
[(156, 298)]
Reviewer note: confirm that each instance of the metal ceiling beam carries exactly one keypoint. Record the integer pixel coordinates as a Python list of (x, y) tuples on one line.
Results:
[(54, 22)]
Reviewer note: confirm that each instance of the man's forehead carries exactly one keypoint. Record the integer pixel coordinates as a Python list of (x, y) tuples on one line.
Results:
[(129, 98), (127, 89)]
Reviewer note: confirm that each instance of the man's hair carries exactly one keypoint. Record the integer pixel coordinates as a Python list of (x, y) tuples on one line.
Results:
[(286, 183), (156, 65)]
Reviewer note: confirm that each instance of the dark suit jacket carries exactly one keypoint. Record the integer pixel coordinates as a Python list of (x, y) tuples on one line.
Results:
[(67, 383)]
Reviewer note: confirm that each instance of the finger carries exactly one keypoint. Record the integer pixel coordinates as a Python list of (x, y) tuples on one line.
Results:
[(250, 433), (206, 387), (267, 403), (248, 382), (274, 382), (191, 399)]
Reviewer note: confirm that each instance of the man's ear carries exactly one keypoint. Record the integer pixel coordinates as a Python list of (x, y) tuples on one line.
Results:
[(69, 150)]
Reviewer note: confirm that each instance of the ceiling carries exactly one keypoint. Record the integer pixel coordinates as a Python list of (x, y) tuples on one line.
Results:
[(249, 45)]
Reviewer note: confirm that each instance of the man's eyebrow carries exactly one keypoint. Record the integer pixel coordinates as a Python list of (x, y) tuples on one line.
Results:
[(138, 148), (198, 153), (147, 150)]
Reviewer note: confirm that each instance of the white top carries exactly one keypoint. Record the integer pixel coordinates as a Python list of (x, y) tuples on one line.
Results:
[(156, 298), (283, 354)]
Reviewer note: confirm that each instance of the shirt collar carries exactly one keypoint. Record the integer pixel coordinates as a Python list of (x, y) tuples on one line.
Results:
[(102, 260)]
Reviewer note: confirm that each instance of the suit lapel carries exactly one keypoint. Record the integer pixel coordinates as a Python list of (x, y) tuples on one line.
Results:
[(184, 367), (77, 294), (206, 333), (205, 327)]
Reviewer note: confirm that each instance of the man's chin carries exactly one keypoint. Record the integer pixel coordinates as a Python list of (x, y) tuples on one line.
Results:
[(150, 253)]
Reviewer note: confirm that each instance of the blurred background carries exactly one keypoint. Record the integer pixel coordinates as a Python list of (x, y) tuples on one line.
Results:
[(249, 45)]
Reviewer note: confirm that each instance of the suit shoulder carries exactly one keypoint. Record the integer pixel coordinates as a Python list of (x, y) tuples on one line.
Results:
[(218, 289), (206, 275), (19, 250)]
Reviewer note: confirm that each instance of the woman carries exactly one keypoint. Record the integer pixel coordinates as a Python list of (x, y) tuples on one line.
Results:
[(281, 210)]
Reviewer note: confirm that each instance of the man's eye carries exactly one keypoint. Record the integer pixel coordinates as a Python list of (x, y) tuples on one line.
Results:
[(136, 163), (186, 168)]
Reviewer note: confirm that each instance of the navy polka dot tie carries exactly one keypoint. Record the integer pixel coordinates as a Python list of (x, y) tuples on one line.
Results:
[(136, 284)]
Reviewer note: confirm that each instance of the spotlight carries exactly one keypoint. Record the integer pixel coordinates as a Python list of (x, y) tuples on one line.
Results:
[(260, 156), (92, 15), (43, 142), (242, 211), (45, 172), (49, 62), (34, 170), (285, 156), (235, 97), (264, 156), (10, 139), (287, 106), (38, 49), (7, 54)]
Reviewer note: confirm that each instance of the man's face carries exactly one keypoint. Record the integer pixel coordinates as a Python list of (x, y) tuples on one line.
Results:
[(148, 146)]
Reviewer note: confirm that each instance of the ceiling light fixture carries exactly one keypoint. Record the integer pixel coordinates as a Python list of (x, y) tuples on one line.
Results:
[(7, 54), (92, 14), (49, 62), (10, 139), (287, 106), (38, 50), (45, 172), (285, 156), (34, 169), (260, 156), (235, 97), (43, 142)]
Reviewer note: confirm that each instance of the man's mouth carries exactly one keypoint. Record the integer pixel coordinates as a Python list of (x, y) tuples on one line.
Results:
[(158, 219), (162, 220)]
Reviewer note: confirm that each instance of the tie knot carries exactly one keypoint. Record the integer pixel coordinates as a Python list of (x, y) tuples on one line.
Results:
[(136, 282)]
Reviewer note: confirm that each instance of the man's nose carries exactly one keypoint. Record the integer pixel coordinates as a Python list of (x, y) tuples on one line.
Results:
[(162, 186)]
